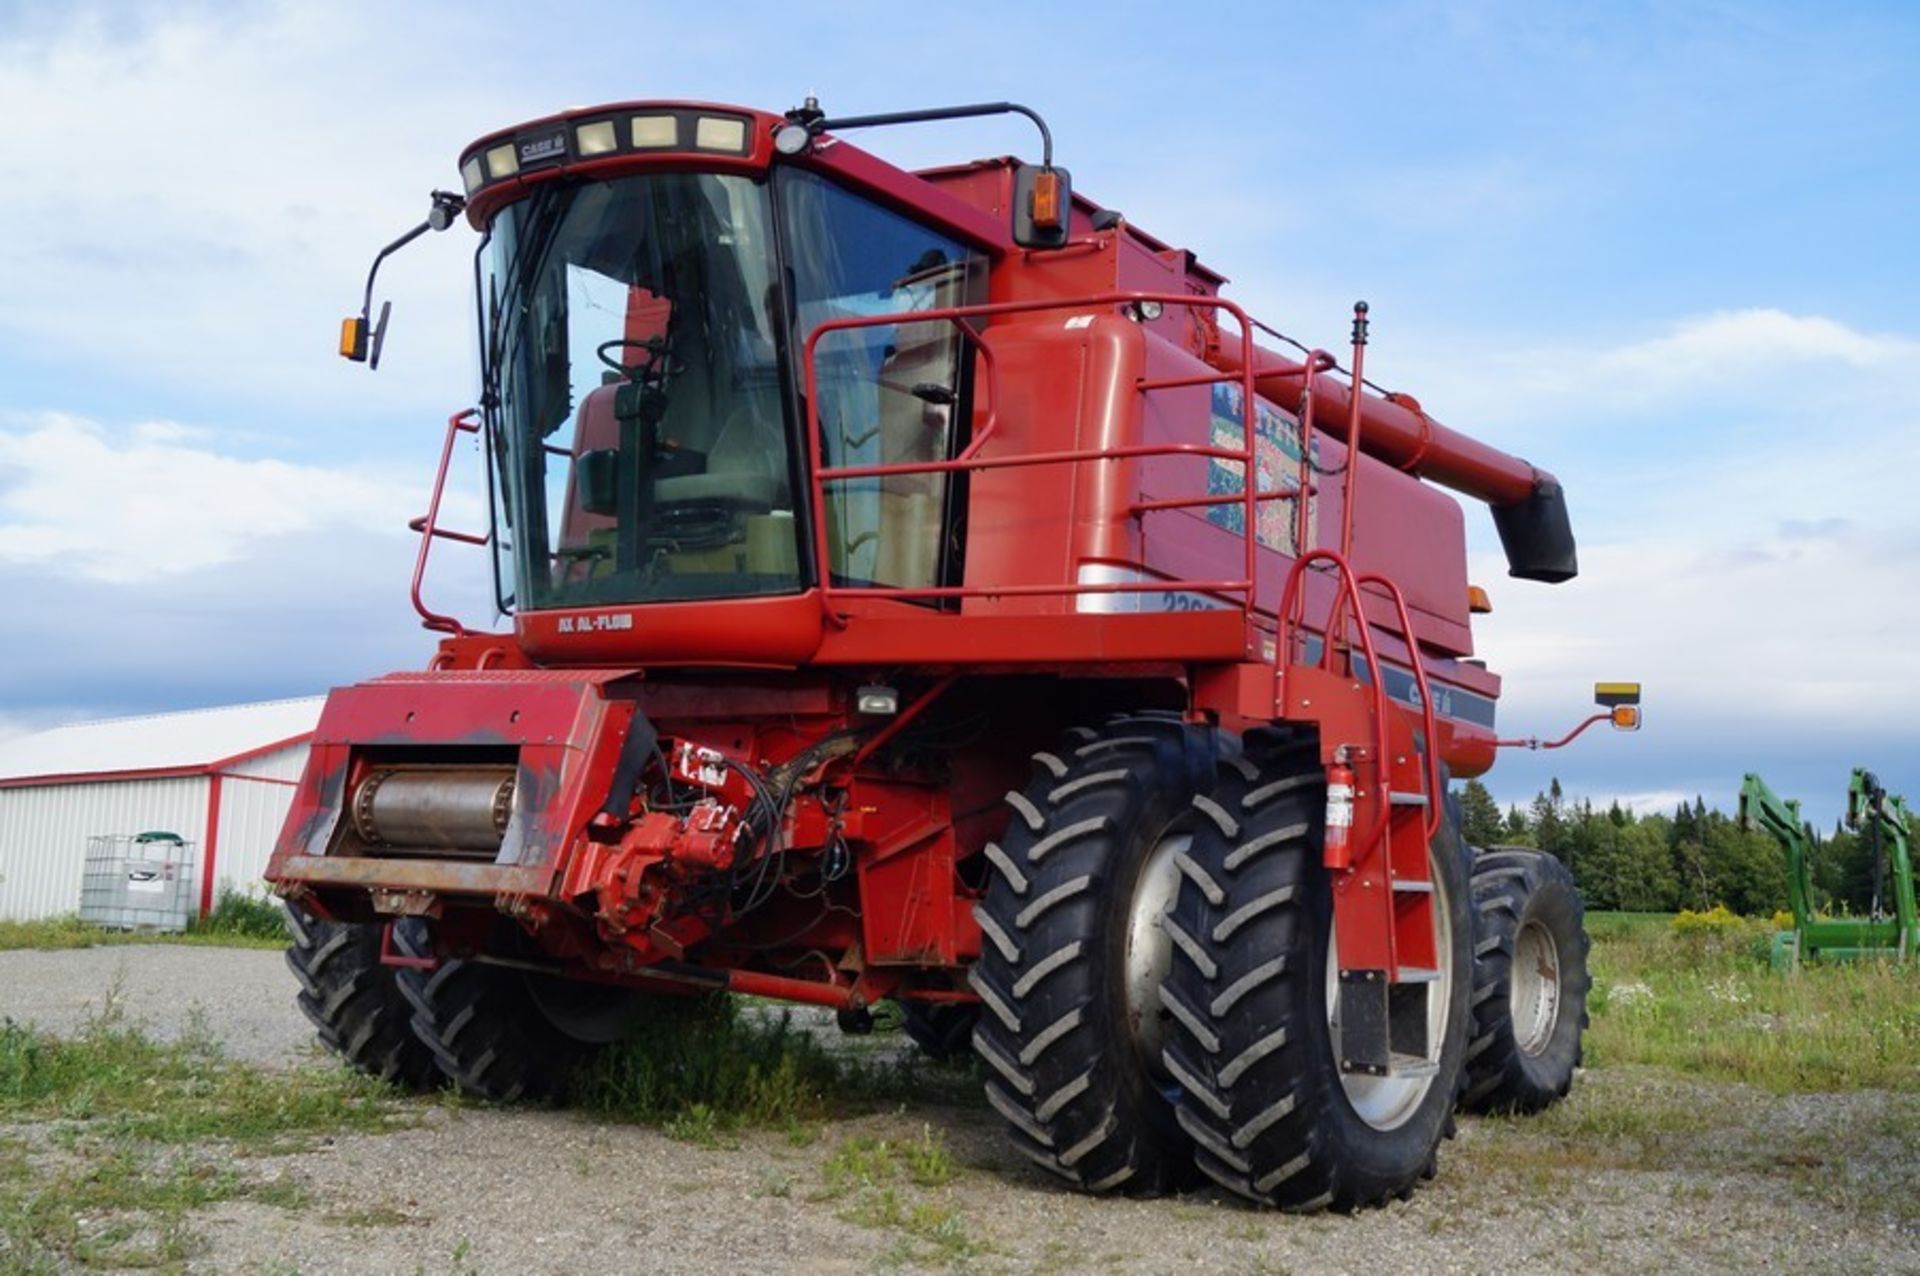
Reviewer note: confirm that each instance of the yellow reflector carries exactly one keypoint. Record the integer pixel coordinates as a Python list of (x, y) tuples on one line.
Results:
[(1626, 717), (353, 339), (714, 134), (655, 130), (502, 162), (596, 138), (1477, 601), (1608, 694)]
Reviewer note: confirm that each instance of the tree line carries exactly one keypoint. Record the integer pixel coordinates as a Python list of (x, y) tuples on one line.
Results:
[(1695, 858)]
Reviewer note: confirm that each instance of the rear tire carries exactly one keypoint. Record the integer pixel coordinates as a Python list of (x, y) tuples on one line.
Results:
[(1530, 981), (1272, 1116), (354, 1002), (943, 1030), (1062, 1022), (492, 1030)]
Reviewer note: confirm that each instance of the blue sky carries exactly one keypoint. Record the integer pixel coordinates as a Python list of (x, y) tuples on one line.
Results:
[(1663, 250)]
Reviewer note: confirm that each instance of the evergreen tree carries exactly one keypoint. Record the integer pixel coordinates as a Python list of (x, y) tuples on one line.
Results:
[(1480, 821), (1549, 824)]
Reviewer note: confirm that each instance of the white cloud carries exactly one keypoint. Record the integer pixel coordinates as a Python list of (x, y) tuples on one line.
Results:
[(1785, 632), (154, 500), (1740, 341), (199, 192), (1758, 360)]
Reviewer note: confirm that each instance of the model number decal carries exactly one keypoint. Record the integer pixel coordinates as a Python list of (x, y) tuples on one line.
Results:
[(592, 624)]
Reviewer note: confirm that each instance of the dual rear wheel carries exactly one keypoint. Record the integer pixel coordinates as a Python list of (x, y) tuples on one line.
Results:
[(1159, 992)]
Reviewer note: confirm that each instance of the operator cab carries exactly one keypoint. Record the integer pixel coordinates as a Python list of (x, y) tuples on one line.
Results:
[(642, 325)]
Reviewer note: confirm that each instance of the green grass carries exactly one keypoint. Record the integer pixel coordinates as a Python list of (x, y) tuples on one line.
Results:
[(703, 1069), (880, 1183), (134, 1135), (114, 1081), (71, 932), (1707, 1004), (1852, 1156), (241, 915)]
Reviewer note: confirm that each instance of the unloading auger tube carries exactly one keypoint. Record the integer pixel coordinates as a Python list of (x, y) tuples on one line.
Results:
[(1529, 507)]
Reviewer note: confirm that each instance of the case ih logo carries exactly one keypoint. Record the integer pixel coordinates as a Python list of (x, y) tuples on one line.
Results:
[(545, 148)]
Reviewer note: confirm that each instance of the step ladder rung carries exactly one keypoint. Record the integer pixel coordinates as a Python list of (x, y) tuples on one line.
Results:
[(1418, 975), (1406, 886), (1406, 799), (1407, 1065)]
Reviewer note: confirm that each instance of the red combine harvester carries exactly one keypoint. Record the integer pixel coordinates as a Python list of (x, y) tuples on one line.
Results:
[(926, 586)]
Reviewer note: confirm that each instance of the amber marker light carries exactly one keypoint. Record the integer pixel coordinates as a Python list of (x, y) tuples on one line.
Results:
[(1046, 200), (353, 339)]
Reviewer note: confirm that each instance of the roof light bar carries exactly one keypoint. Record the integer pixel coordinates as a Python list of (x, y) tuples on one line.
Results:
[(547, 145), (650, 132)]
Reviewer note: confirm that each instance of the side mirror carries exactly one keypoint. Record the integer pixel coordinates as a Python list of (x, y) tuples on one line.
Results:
[(1042, 205), (1622, 700), (360, 337), (596, 481)]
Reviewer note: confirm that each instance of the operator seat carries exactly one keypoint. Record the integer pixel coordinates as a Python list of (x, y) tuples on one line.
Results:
[(745, 455)]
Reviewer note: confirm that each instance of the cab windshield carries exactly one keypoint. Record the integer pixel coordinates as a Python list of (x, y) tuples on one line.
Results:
[(639, 422)]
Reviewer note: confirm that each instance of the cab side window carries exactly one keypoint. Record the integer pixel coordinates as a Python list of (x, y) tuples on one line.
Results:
[(889, 394)]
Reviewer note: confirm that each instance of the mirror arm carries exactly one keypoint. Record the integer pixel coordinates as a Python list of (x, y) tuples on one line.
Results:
[(366, 345)]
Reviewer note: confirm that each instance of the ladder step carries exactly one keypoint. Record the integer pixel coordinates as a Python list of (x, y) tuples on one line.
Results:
[(1406, 799), (1407, 887), (1407, 1065), (1418, 975)]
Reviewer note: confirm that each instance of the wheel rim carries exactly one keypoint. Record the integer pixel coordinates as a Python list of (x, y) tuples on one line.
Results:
[(1533, 995), (1386, 1103), (1149, 952)]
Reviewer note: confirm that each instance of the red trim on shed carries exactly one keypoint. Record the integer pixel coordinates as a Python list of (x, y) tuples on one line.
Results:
[(155, 773)]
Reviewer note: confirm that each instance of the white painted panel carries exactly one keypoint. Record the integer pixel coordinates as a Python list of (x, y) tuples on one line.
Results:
[(44, 831), (251, 813), (281, 764)]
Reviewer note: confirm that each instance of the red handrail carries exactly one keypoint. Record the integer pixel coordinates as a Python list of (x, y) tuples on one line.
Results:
[(1431, 727), (970, 459), (1292, 593), (428, 525)]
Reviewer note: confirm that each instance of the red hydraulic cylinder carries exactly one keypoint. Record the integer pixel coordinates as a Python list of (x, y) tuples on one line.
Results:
[(1397, 431)]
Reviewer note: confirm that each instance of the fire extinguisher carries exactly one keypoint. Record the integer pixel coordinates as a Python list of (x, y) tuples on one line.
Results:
[(1338, 850)]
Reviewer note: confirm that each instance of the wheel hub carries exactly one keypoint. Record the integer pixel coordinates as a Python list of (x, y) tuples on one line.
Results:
[(1533, 993), (1149, 956)]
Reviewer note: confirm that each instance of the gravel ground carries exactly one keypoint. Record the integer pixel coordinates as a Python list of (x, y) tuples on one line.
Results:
[(485, 1190)]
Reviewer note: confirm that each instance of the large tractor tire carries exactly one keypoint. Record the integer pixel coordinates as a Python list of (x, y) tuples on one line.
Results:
[(501, 1033), (1070, 1025), (1253, 1048), (354, 1002), (1530, 981), (942, 1030)]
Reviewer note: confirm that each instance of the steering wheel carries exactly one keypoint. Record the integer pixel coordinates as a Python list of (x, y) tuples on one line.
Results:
[(653, 348)]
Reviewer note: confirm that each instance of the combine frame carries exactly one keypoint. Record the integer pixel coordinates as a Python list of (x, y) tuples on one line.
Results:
[(944, 596)]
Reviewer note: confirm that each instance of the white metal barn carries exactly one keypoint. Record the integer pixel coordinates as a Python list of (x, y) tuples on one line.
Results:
[(221, 778)]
